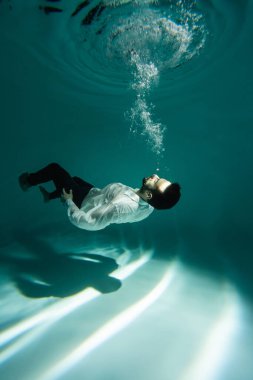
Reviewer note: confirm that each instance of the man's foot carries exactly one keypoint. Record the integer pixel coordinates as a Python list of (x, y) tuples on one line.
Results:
[(45, 194), (23, 181)]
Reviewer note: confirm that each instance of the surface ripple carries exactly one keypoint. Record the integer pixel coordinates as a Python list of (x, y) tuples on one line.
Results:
[(99, 47)]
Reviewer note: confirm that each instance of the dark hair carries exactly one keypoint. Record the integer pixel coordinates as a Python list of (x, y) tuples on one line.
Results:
[(166, 199)]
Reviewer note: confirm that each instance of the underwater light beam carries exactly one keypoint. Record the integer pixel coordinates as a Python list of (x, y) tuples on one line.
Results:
[(215, 349), (62, 308), (111, 328), (51, 313)]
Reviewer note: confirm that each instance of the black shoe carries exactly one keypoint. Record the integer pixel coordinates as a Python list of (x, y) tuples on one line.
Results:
[(23, 181)]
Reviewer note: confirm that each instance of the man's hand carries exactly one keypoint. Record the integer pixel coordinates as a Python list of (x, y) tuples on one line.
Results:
[(66, 195)]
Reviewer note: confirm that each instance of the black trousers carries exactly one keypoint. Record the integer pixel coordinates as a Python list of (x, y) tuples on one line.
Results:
[(62, 180)]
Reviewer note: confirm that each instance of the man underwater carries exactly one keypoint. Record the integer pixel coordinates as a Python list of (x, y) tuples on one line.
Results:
[(93, 209)]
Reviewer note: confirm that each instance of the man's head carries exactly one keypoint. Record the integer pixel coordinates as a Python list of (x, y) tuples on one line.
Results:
[(159, 192)]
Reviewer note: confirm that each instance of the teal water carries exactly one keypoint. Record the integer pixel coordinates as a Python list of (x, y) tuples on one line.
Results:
[(136, 88)]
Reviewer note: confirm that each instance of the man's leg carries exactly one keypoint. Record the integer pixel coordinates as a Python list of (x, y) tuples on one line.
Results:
[(84, 186), (52, 172), (47, 195), (61, 178), (83, 183)]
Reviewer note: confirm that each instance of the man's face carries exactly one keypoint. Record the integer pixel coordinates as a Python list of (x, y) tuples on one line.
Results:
[(155, 183)]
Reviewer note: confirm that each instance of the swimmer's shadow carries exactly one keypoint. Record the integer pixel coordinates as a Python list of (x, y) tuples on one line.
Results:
[(65, 275), (38, 270)]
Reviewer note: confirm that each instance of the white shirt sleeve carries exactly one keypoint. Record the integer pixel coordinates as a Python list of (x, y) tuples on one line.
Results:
[(95, 219)]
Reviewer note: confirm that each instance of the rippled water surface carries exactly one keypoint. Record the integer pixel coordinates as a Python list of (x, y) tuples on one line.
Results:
[(124, 47)]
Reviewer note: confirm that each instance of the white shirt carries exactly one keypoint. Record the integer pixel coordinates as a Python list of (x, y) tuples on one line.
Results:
[(115, 203)]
